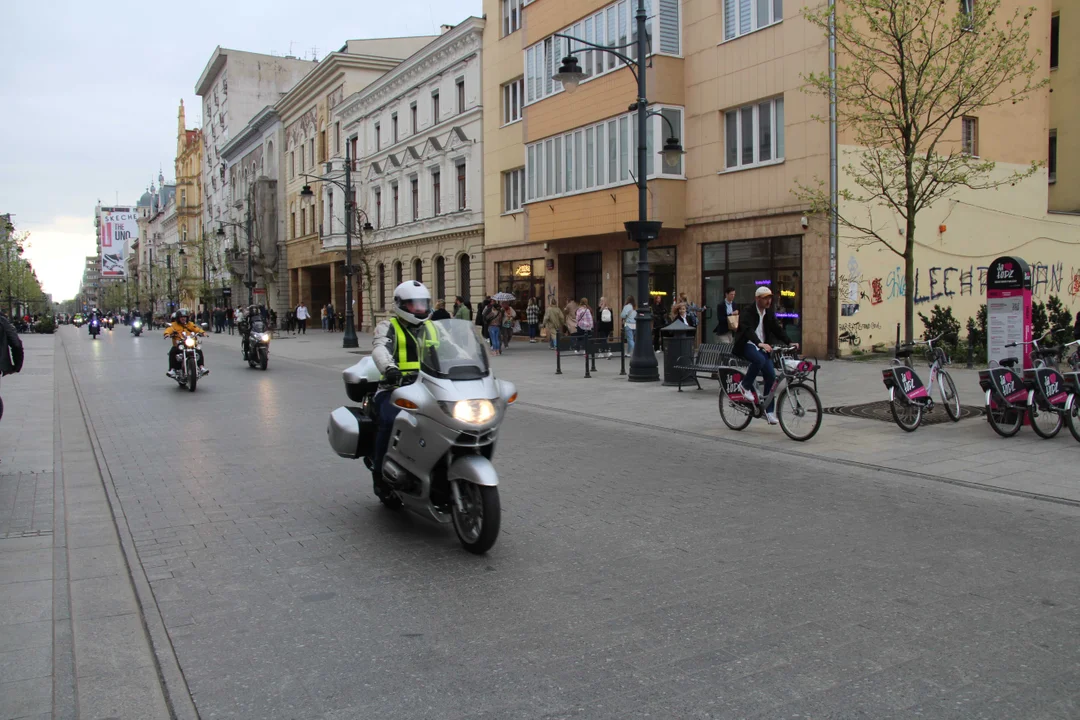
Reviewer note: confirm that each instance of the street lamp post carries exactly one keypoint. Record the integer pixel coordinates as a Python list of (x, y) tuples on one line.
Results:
[(246, 227), (643, 365), (349, 339)]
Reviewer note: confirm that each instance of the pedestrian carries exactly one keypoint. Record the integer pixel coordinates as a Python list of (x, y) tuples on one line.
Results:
[(628, 315), (570, 312), (605, 322), (584, 319), (682, 312), (341, 322), (302, 316), (1076, 328), (532, 315), (273, 319), (230, 317), (481, 317), (659, 313), (11, 351), (331, 317), (493, 324), (440, 311), (727, 322), (462, 311), (509, 325), (554, 319), (322, 317)]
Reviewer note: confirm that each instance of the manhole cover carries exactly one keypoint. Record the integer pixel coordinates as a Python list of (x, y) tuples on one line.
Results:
[(880, 411)]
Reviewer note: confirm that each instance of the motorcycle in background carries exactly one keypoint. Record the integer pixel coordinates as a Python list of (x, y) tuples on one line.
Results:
[(439, 463), (95, 328), (258, 349), (136, 327)]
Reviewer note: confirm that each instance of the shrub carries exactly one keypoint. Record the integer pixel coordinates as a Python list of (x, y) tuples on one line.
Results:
[(1058, 315), (1040, 321), (942, 321), (976, 333), (45, 326)]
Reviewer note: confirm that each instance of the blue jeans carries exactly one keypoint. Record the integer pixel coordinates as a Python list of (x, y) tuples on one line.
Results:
[(629, 333), (534, 330), (385, 411), (761, 363), (494, 335)]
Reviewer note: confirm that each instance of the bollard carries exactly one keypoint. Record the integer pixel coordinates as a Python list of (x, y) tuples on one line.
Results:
[(622, 355), (558, 357), (587, 375), (971, 353), (593, 355)]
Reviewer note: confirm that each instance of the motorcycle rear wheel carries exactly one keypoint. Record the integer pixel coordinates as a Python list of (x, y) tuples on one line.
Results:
[(478, 527), (192, 374)]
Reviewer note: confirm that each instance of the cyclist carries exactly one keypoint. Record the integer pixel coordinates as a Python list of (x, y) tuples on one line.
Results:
[(758, 331)]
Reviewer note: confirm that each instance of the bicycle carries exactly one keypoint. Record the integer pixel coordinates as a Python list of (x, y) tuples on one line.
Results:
[(1072, 385), (798, 407), (1044, 396), (914, 398)]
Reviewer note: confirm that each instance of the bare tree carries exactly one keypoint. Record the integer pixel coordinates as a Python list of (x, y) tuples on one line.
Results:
[(908, 72)]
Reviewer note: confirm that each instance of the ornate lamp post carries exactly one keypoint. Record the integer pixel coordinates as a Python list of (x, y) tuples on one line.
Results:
[(349, 339), (246, 227), (643, 365)]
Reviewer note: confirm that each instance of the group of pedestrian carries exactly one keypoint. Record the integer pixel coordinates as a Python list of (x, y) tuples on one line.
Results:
[(498, 322), (332, 321)]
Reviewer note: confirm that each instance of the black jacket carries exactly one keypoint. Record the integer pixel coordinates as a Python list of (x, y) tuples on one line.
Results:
[(747, 332), (11, 348)]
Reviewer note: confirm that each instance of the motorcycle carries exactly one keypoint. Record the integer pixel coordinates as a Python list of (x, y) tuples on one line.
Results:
[(189, 373), (95, 328), (109, 323), (257, 353), (438, 464), (136, 327)]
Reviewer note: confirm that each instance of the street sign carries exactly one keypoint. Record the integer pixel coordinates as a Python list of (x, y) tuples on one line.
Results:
[(259, 291), (226, 292)]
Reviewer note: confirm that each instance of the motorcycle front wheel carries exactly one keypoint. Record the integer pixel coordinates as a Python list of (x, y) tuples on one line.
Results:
[(192, 374), (477, 523), (264, 358)]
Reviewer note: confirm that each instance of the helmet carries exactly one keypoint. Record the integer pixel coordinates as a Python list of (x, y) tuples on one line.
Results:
[(182, 312), (412, 302)]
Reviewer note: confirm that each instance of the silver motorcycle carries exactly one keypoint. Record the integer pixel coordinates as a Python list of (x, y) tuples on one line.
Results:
[(438, 464)]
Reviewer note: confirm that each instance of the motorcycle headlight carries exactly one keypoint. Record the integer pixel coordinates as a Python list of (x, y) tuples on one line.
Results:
[(189, 342), (473, 412), (265, 337)]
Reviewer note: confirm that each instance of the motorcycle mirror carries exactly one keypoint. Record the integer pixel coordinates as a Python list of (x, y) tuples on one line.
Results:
[(507, 391)]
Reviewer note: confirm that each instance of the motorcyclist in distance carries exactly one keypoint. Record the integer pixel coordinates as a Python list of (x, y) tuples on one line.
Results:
[(397, 355), (251, 322), (181, 324)]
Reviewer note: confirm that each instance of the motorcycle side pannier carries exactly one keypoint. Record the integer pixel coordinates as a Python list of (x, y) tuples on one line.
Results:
[(362, 380), (351, 433)]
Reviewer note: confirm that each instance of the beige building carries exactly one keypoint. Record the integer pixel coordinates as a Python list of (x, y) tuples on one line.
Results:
[(193, 276), (1064, 151), (728, 75), (305, 113)]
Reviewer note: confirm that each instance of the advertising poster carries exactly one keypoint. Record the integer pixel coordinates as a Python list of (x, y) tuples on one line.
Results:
[(1008, 309), (118, 227)]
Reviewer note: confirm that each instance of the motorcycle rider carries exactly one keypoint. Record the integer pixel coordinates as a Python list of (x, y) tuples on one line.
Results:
[(95, 317), (179, 325), (396, 353), (251, 322)]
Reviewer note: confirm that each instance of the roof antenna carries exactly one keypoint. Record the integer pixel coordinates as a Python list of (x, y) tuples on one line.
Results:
[(315, 54)]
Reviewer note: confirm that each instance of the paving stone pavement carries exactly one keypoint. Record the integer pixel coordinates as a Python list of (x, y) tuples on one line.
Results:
[(641, 572)]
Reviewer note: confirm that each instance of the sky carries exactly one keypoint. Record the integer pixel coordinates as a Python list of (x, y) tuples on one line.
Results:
[(91, 92)]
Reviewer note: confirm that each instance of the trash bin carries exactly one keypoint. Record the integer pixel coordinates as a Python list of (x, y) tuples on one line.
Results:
[(678, 339)]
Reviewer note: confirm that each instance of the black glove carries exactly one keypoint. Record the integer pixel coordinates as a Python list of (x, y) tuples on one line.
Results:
[(392, 375)]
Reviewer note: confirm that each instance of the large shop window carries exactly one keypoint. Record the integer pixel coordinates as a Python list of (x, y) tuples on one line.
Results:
[(754, 134), (746, 265), (661, 276), (523, 278), (612, 26), (598, 156)]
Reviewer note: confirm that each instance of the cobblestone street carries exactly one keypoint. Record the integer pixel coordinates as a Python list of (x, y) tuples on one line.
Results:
[(641, 571)]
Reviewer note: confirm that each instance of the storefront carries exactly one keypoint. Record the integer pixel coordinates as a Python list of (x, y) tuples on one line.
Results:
[(661, 275), (524, 279), (746, 265)]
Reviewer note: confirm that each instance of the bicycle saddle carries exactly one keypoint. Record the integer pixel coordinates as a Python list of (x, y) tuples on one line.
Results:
[(1008, 362), (903, 353)]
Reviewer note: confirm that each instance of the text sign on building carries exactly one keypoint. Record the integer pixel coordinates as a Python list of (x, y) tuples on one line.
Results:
[(118, 227), (1008, 309)]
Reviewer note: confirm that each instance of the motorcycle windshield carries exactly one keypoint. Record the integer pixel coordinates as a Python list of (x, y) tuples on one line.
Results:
[(451, 349)]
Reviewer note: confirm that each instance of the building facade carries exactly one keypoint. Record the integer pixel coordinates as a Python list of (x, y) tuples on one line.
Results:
[(196, 260), (234, 87), (415, 136), (1063, 157), (306, 114)]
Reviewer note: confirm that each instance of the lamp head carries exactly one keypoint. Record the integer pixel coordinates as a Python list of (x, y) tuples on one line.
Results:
[(672, 152), (306, 191), (569, 74), (220, 232), (368, 227)]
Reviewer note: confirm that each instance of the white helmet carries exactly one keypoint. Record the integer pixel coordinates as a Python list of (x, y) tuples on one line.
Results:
[(412, 302)]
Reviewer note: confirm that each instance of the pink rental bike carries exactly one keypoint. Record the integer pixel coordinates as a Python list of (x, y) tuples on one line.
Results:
[(909, 399)]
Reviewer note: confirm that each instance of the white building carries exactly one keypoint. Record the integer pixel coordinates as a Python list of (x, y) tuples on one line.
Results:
[(417, 138), (234, 87)]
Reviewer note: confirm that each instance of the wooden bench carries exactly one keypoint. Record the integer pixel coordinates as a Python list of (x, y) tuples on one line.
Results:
[(707, 359)]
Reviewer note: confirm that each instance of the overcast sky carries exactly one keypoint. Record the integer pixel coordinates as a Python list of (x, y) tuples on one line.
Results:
[(90, 93)]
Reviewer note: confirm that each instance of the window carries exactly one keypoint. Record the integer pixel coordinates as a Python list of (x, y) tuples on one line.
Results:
[(967, 9), (513, 99), (436, 191), (609, 26), (418, 270), (292, 224), (302, 159), (745, 16), (183, 198), (440, 278), (399, 276), (292, 164), (460, 95), (754, 134), (1055, 29), (303, 221), (322, 147), (461, 185), (414, 187), (337, 137), (435, 108), (596, 156), (412, 118), (511, 16), (513, 190), (1051, 158), (464, 279), (394, 188), (378, 140), (353, 142), (393, 129), (378, 208), (969, 136), (311, 151), (381, 272)]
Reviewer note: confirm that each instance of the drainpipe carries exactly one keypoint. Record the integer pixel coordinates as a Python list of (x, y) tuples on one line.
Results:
[(834, 227)]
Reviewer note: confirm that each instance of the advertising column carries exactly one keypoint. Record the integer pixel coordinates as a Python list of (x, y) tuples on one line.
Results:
[(1008, 309)]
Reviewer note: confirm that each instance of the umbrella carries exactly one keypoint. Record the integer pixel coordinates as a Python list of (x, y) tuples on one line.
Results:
[(499, 297)]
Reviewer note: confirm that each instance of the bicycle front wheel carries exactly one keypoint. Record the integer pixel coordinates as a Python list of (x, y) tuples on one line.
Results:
[(907, 415), (736, 415), (949, 397), (1072, 418), (799, 411), (1046, 423)]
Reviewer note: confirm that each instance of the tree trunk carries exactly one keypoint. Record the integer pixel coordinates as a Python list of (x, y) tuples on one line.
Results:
[(909, 281)]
